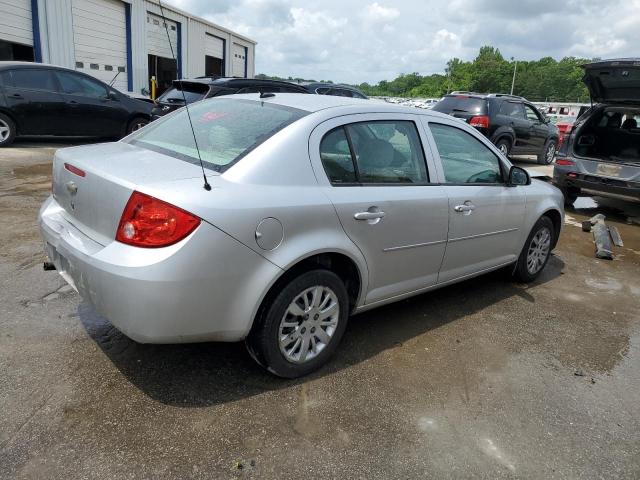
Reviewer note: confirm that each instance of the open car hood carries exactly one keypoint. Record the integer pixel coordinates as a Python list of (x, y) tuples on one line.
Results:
[(613, 81)]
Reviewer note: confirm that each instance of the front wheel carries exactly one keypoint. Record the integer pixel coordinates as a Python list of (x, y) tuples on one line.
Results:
[(302, 326), (536, 251), (136, 124), (548, 152), (7, 131)]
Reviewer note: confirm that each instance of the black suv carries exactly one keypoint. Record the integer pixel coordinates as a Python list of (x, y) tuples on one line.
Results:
[(513, 124), (39, 100), (338, 90), (207, 87)]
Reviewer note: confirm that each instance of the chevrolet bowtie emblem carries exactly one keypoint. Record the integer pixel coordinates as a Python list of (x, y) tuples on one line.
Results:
[(72, 188)]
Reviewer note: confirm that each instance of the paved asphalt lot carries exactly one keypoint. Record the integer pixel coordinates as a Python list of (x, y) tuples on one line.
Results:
[(485, 379)]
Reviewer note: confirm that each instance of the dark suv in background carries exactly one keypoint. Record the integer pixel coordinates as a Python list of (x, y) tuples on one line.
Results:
[(337, 90), (206, 87), (45, 100), (513, 124)]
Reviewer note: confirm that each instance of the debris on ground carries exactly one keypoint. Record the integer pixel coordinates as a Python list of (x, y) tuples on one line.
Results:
[(615, 236), (579, 373), (602, 239)]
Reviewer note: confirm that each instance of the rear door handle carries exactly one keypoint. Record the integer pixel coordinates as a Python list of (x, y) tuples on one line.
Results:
[(368, 215)]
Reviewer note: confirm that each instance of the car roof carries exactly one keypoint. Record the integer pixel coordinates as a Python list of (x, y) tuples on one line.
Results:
[(327, 85), (237, 81), (13, 64), (315, 103)]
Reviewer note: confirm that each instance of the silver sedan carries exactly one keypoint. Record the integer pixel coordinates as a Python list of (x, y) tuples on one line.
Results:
[(315, 208)]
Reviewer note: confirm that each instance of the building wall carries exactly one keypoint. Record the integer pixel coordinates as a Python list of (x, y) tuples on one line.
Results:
[(57, 39)]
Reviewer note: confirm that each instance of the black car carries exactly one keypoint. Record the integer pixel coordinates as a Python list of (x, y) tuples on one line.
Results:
[(207, 87), (602, 152), (337, 90), (42, 100), (513, 124)]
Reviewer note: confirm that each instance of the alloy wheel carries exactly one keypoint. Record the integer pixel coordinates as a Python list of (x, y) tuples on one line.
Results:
[(503, 148), (551, 151), (308, 324), (5, 131), (538, 250), (138, 126)]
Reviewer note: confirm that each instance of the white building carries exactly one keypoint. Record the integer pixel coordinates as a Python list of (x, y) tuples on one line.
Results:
[(124, 37)]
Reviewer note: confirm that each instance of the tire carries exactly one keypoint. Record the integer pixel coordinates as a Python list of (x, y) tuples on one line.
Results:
[(285, 359), (7, 130), (570, 195), (136, 124), (545, 157), (504, 145), (542, 232)]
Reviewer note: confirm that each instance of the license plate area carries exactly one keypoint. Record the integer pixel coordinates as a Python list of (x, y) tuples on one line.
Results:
[(62, 265), (608, 170)]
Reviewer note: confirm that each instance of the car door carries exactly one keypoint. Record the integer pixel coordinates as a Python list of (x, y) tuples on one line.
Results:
[(539, 128), (33, 97), (485, 214), (89, 108), (374, 171), (513, 112)]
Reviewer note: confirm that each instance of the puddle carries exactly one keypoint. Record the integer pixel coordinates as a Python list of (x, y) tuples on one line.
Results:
[(32, 170)]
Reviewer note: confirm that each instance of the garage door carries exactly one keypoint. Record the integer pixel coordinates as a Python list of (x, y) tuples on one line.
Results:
[(157, 43), (15, 21), (100, 40), (213, 46), (238, 53)]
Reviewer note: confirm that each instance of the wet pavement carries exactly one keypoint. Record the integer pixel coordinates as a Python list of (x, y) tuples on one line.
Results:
[(485, 379)]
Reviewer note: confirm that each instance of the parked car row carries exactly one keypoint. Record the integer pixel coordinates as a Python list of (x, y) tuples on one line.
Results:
[(45, 100)]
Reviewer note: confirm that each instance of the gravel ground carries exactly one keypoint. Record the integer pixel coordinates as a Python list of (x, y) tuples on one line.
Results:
[(485, 379)]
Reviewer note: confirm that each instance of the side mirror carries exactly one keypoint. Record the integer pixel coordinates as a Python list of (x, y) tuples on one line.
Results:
[(111, 95), (518, 176)]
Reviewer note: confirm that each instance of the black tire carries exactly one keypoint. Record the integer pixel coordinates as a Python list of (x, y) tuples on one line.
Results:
[(136, 123), (545, 157), (263, 340), (521, 272), (570, 195), (504, 145), (8, 130)]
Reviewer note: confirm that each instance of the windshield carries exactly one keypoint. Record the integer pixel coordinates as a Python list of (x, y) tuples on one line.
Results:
[(226, 130), (461, 103), (193, 92)]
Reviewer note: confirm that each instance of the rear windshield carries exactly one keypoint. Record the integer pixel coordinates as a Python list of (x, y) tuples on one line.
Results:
[(192, 93), (226, 130), (461, 103)]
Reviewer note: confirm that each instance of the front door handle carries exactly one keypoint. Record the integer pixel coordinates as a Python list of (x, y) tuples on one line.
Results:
[(368, 215), (466, 208)]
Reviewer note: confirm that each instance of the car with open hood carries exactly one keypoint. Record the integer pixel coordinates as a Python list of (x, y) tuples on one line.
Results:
[(602, 152), (272, 219)]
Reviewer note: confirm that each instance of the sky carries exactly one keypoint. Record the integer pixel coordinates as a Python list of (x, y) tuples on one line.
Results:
[(357, 41)]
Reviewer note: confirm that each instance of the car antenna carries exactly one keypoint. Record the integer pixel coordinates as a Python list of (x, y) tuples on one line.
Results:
[(114, 78), (206, 185)]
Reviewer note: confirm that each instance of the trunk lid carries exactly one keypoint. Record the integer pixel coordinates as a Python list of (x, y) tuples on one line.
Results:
[(93, 183), (613, 81)]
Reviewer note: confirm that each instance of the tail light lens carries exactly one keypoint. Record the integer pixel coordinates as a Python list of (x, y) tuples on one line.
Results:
[(481, 121), (151, 223), (565, 162)]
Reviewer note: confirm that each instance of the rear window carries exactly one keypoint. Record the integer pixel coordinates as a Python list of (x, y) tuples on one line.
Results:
[(192, 93), (226, 130), (462, 104)]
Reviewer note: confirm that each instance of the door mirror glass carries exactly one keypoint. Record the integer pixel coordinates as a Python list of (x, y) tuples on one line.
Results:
[(518, 176)]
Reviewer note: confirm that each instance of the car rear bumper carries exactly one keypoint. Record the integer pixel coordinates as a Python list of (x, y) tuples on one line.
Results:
[(206, 287), (585, 174)]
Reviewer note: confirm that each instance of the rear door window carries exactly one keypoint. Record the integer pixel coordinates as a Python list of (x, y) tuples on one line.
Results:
[(512, 109), (34, 79), (377, 152)]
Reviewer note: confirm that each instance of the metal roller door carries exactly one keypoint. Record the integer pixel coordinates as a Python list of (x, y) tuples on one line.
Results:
[(100, 40), (15, 21), (213, 46), (238, 60), (157, 43)]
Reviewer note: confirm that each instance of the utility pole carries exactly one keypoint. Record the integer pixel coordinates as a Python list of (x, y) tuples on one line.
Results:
[(513, 82)]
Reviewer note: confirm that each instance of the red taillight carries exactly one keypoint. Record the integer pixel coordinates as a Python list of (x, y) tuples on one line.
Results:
[(479, 121), (150, 223), (75, 170), (565, 162)]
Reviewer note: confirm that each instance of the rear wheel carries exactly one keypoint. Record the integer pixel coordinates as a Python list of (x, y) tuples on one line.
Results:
[(136, 124), (302, 326), (548, 152), (570, 195), (7, 130), (536, 251), (504, 145)]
